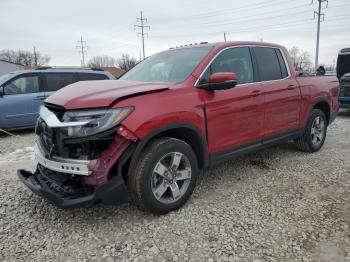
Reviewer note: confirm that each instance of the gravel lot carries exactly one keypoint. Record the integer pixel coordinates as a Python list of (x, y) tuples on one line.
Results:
[(275, 205)]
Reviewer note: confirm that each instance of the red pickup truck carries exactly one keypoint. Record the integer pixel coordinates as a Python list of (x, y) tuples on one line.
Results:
[(147, 135)]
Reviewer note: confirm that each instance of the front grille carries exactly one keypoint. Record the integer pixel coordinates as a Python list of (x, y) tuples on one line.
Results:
[(55, 142), (46, 135)]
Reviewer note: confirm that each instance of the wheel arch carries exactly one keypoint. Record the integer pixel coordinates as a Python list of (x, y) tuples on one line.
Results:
[(186, 132), (324, 106)]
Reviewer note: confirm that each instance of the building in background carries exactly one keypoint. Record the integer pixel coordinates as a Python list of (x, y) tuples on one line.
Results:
[(115, 71), (7, 67)]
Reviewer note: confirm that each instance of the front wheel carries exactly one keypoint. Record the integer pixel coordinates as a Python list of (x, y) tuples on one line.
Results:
[(315, 132), (165, 176)]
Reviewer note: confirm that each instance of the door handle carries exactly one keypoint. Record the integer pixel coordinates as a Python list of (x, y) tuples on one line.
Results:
[(291, 87), (255, 93)]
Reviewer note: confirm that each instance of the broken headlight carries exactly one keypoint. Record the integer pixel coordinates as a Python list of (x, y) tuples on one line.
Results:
[(96, 121)]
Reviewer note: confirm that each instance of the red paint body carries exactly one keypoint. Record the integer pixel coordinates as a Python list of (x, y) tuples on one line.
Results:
[(227, 119)]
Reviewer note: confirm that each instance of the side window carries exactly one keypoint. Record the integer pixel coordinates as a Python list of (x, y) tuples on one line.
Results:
[(236, 60), (268, 63), (55, 81), (22, 85), (282, 63), (89, 76)]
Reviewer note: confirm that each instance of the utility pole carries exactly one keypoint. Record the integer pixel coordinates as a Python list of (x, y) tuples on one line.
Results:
[(35, 57), (319, 14), (225, 36), (82, 49), (141, 24)]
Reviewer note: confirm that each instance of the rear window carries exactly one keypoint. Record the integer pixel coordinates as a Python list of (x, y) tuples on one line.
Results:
[(269, 64), (86, 76), (55, 81)]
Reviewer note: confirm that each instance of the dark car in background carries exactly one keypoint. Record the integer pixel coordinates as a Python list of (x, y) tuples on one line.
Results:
[(343, 73), (22, 92)]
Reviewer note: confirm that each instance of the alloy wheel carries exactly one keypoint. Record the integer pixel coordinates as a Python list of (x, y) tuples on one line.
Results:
[(171, 177), (317, 131)]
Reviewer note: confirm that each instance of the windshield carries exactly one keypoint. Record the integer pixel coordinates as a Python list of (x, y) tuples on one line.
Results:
[(5, 77), (170, 66)]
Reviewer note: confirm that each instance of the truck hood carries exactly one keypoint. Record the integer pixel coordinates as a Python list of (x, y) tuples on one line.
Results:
[(102, 93)]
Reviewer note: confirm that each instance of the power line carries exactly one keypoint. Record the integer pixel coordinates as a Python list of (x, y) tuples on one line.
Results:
[(249, 18), (82, 50), (219, 12), (319, 15), (142, 26), (261, 28)]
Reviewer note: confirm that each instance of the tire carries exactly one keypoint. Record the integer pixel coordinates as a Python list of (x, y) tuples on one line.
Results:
[(164, 177), (315, 134)]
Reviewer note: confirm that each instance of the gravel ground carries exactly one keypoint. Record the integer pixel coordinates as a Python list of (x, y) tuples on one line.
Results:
[(275, 205)]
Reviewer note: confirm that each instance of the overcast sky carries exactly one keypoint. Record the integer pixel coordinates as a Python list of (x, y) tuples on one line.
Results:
[(108, 26)]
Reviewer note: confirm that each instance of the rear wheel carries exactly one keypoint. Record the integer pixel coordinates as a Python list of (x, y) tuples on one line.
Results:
[(315, 132), (165, 176)]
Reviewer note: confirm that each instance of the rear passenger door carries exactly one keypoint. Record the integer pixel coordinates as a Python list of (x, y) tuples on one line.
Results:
[(282, 93), (55, 81), (20, 103)]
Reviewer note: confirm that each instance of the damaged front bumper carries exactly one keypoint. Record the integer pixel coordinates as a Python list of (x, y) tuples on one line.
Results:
[(82, 171), (112, 192), (69, 166), (70, 183)]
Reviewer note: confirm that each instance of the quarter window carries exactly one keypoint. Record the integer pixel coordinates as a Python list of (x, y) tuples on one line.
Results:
[(22, 85), (55, 81), (269, 64), (236, 60), (282, 63)]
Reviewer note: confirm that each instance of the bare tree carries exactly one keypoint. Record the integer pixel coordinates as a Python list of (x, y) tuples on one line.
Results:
[(24, 57), (301, 59), (304, 63), (294, 53), (102, 61), (126, 62)]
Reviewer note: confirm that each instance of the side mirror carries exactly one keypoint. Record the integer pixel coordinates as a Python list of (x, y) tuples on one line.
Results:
[(221, 81), (2, 92)]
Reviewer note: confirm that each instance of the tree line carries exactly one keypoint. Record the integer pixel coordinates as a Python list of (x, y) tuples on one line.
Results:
[(25, 58), (37, 59), (301, 59), (126, 62)]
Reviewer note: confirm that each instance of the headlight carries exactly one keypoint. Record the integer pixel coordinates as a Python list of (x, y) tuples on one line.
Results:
[(97, 120)]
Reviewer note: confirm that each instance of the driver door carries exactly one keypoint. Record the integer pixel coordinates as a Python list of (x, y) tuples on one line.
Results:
[(19, 106), (234, 116)]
